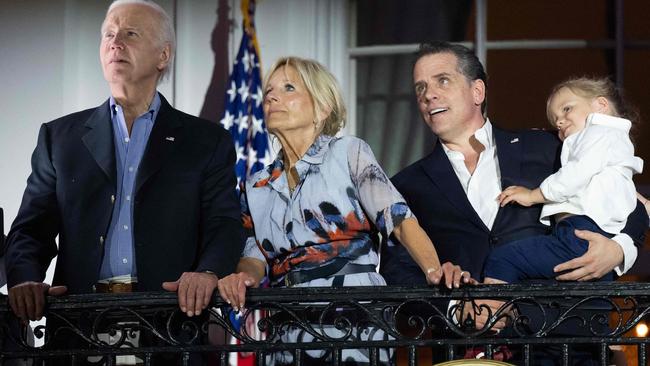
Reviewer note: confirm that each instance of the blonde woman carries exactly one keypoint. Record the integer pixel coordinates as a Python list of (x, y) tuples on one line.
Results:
[(316, 209)]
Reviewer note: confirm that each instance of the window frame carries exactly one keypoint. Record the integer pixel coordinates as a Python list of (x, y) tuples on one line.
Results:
[(481, 45)]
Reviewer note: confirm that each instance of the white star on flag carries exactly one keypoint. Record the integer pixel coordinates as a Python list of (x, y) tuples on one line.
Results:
[(227, 120), (258, 126), (232, 92), (252, 155), (240, 153), (242, 123), (243, 91), (258, 97), (246, 61)]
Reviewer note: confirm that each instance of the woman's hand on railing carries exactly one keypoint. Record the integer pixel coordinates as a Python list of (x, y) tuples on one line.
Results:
[(452, 275), (232, 288)]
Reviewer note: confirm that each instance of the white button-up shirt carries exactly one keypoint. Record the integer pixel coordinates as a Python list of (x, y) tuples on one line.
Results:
[(596, 177), (482, 187)]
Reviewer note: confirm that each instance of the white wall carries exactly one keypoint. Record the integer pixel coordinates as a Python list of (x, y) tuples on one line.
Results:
[(49, 63), (31, 89)]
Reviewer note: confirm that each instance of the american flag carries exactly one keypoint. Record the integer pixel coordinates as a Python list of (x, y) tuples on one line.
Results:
[(244, 118), (243, 115)]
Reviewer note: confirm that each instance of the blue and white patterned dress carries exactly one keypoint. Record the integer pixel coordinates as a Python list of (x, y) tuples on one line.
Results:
[(331, 219)]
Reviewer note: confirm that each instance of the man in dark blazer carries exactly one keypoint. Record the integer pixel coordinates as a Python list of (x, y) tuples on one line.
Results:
[(139, 193), (453, 190)]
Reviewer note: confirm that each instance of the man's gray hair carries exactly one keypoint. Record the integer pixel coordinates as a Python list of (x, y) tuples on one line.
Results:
[(166, 33)]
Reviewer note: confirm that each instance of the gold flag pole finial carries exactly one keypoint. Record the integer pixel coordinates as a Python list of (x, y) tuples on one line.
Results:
[(248, 12)]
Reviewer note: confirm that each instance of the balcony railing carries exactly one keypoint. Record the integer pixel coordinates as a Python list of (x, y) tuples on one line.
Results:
[(297, 321)]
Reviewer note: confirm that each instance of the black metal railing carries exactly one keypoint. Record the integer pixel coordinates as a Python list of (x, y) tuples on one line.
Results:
[(562, 321)]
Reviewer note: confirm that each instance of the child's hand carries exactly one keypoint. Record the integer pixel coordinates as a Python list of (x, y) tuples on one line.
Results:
[(521, 195)]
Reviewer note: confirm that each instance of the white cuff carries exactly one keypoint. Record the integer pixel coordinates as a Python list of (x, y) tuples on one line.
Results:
[(629, 253), (547, 191)]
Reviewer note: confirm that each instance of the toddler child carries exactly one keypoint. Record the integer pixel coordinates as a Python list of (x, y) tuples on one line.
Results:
[(593, 190)]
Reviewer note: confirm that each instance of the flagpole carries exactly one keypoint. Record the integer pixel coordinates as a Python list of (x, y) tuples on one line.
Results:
[(248, 11), (248, 8)]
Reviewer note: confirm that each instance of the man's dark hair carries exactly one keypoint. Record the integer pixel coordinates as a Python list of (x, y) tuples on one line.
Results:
[(468, 64)]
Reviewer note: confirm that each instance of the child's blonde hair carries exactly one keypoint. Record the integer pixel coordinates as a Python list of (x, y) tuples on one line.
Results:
[(591, 88)]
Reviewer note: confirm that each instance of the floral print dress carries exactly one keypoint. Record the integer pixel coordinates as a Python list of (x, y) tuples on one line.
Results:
[(331, 219)]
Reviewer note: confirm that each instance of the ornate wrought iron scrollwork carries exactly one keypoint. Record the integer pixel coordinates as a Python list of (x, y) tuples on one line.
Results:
[(336, 317)]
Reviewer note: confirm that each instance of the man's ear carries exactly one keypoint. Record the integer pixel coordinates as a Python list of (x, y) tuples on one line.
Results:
[(478, 91), (165, 55), (601, 105)]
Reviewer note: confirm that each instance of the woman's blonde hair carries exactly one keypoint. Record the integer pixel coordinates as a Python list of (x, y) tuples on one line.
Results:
[(591, 88), (323, 89)]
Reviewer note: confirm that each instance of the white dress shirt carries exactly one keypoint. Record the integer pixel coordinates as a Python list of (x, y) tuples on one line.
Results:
[(482, 187), (596, 177)]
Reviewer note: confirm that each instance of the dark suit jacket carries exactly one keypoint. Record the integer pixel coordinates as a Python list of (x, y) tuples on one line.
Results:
[(436, 197), (185, 216)]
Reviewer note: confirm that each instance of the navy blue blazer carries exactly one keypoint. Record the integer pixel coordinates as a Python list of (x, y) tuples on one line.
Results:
[(186, 214), (436, 197)]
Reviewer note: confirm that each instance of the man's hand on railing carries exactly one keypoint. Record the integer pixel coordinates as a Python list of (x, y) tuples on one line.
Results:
[(27, 299), (194, 291)]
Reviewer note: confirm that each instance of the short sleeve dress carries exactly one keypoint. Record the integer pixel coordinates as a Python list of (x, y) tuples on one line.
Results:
[(313, 236)]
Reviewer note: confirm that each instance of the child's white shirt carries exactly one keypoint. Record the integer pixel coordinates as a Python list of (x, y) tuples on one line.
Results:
[(596, 176)]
